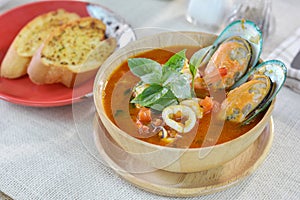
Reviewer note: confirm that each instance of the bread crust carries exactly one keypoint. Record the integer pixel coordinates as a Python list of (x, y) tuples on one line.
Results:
[(57, 60), (41, 73), (13, 65), (27, 41)]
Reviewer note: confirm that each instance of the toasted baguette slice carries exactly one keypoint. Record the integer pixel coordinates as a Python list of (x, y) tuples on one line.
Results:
[(72, 54), (29, 39)]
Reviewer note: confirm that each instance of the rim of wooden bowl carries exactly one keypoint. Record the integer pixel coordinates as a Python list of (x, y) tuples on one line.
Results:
[(98, 89)]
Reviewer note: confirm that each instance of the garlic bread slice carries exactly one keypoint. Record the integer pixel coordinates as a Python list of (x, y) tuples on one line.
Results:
[(72, 54), (29, 39)]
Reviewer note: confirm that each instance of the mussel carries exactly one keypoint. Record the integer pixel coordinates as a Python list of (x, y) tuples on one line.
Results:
[(231, 64), (247, 30), (244, 99), (253, 96), (234, 52), (228, 64)]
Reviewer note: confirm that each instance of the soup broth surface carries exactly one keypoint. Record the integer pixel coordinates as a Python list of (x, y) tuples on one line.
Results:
[(117, 107)]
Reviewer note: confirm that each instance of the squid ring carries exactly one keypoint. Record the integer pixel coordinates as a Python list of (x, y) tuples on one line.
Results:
[(186, 112)]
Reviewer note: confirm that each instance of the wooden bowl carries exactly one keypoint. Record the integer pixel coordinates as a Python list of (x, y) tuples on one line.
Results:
[(167, 158)]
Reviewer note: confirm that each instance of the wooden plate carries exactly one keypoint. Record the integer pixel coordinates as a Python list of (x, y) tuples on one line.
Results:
[(182, 184)]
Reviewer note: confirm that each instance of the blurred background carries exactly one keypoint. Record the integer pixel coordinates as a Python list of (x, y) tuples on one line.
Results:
[(206, 15)]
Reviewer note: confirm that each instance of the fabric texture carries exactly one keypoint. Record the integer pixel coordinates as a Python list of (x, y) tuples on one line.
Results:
[(287, 51), (48, 153), (51, 155)]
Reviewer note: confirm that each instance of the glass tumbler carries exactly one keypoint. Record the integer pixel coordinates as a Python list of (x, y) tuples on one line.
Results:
[(208, 15), (258, 11)]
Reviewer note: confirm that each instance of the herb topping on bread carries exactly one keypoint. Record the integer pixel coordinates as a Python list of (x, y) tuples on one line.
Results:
[(29, 39), (73, 53)]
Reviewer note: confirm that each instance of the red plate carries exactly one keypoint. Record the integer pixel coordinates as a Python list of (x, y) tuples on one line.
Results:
[(22, 90)]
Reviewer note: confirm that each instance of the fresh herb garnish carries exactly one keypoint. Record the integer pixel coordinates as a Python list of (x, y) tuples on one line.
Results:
[(178, 83), (148, 70), (156, 97), (198, 58), (167, 85), (196, 61), (176, 62)]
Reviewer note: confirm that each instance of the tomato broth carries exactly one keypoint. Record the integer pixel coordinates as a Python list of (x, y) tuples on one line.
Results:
[(121, 110)]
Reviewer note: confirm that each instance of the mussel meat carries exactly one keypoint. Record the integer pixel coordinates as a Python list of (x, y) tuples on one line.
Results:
[(235, 52), (252, 97), (244, 99), (228, 64)]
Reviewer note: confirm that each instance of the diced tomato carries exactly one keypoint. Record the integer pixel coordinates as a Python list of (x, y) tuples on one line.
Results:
[(207, 104), (144, 115), (223, 71)]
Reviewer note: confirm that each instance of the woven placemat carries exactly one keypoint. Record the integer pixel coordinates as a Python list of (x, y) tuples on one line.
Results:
[(4, 196)]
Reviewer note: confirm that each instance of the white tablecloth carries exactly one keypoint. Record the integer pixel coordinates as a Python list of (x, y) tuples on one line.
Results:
[(42, 155)]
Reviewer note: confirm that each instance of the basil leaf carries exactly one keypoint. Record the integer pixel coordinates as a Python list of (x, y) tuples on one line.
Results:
[(179, 84), (166, 84), (199, 56), (181, 87), (193, 70), (150, 95), (152, 78), (156, 97), (177, 61), (148, 70), (169, 76), (164, 102)]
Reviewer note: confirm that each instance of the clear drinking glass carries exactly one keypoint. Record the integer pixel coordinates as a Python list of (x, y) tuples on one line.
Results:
[(214, 15), (208, 15), (258, 11)]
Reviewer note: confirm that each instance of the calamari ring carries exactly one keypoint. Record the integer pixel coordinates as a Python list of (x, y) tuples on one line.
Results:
[(186, 112)]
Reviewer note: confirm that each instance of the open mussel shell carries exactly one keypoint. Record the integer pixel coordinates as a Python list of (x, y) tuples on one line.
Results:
[(236, 50), (228, 63), (247, 30), (245, 99), (252, 97), (276, 71)]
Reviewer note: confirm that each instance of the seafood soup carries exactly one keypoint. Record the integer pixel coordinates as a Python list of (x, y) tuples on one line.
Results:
[(168, 105)]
